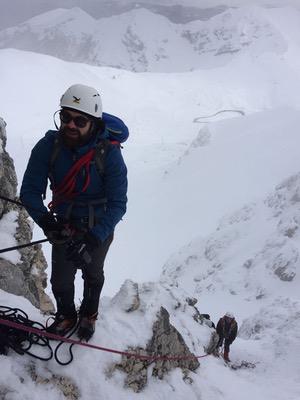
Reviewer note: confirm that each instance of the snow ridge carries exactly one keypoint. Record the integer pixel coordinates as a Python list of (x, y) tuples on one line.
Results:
[(129, 41)]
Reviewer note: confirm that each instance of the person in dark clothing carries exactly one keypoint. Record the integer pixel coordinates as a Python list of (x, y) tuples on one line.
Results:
[(227, 328), (86, 203)]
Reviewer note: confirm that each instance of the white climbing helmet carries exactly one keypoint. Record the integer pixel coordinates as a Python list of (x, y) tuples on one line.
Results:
[(83, 98), (229, 315)]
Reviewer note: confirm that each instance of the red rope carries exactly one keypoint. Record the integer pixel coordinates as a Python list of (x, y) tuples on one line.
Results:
[(92, 346), (66, 189)]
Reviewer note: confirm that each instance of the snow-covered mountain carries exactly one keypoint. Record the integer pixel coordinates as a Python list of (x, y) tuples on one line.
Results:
[(213, 212), (140, 40), (16, 11), (253, 256)]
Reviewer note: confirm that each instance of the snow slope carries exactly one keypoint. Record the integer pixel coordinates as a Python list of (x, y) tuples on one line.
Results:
[(175, 164), (250, 265), (213, 166)]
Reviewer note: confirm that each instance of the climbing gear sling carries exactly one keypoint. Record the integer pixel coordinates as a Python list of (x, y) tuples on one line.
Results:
[(65, 191)]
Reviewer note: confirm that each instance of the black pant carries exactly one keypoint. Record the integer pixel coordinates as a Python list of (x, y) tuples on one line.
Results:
[(63, 276), (226, 344)]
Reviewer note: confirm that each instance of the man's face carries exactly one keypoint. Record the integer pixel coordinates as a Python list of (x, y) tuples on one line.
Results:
[(75, 127)]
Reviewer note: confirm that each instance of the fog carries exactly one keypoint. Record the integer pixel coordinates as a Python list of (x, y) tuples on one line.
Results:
[(14, 12)]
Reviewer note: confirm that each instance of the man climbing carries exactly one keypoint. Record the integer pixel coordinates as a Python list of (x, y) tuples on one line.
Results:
[(88, 179), (227, 328)]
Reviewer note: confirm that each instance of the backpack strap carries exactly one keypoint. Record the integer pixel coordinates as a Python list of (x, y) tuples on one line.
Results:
[(99, 158), (101, 150), (100, 155), (57, 145)]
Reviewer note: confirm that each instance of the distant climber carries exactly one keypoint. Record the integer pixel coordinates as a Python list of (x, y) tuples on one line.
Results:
[(227, 328)]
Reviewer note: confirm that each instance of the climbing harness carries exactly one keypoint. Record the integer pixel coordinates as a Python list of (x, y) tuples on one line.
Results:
[(65, 190)]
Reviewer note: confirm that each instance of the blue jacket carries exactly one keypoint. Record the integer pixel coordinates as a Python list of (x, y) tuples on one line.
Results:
[(112, 185)]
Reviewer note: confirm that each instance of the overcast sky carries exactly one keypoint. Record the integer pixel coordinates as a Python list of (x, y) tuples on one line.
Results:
[(211, 3), (16, 11)]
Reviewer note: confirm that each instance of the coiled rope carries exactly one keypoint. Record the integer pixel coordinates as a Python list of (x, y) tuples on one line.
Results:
[(14, 322), (20, 333)]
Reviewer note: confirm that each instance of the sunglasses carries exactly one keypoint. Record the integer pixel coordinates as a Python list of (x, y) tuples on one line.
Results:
[(79, 120)]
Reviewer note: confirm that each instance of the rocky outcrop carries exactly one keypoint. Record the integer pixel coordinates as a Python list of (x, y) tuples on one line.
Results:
[(26, 277), (65, 385), (167, 340), (127, 299), (168, 349), (8, 178)]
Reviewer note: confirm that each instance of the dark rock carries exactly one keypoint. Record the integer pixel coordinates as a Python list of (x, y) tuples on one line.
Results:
[(28, 277), (168, 342), (168, 346), (66, 385)]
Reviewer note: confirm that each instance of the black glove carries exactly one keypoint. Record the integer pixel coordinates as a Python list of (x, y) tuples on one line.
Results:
[(56, 231), (79, 250)]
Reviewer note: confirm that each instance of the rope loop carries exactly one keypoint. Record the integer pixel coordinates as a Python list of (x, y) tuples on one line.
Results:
[(65, 191), (22, 333)]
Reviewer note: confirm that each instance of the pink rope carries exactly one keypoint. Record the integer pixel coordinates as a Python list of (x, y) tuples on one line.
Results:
[(92, 346)]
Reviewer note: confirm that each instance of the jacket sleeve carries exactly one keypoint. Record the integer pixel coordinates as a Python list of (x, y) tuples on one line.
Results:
[(233, 332), (115, 189), (35, 179)]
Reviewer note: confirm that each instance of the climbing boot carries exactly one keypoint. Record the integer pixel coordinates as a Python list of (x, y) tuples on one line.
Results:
[(62, 324), (86, 327), (226, 356)]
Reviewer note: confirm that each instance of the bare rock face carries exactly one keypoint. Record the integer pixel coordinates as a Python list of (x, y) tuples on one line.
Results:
[(27, 277), (8, 178), (127, 299), (212, 347), (168, 346), (135, 369), (65, 385), (167, 340)]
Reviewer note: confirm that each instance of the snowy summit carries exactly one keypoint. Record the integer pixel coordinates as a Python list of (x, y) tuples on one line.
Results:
[(213, 218), (73, 35)]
